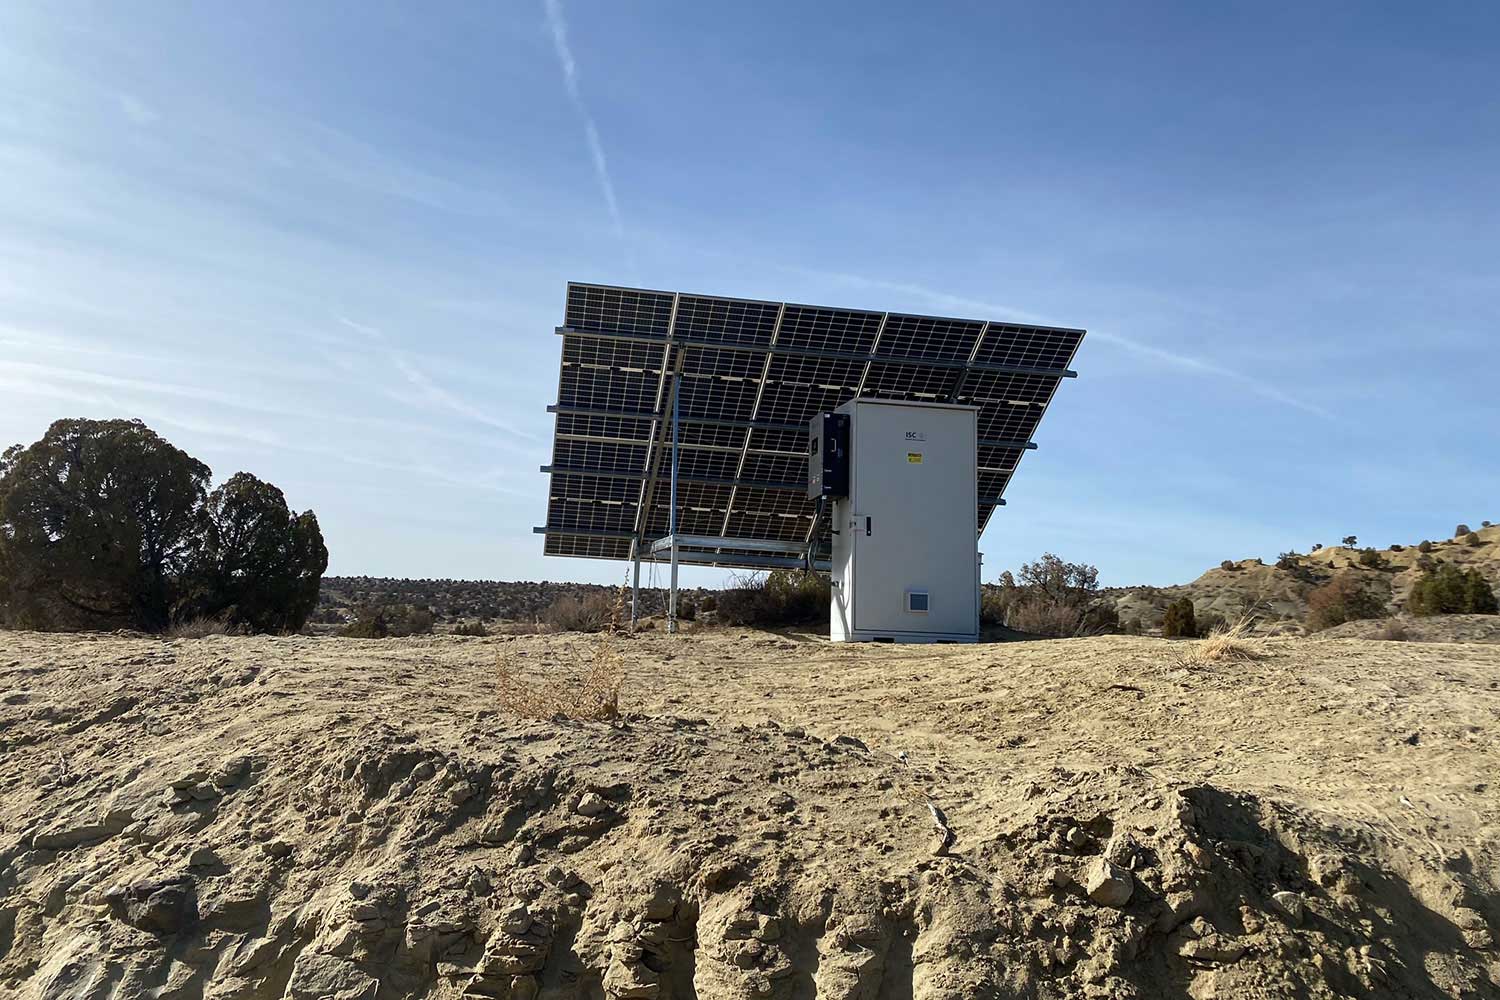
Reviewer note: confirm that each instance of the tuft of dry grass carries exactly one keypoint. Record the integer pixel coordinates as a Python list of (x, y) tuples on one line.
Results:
[(1227, 644), (522, 628), (199, 628), (1393, 631), (589, 691)]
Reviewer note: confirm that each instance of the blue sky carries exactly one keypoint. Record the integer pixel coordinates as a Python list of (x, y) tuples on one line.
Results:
[(327, 243)]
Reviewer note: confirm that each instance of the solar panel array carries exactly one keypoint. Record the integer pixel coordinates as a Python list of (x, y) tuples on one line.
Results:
[(749, 376)]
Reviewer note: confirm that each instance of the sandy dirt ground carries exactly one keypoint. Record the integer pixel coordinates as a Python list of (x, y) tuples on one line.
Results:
[(774, 816)]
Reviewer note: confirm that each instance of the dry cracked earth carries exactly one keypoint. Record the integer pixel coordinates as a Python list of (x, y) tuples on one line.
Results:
[(772, 817)]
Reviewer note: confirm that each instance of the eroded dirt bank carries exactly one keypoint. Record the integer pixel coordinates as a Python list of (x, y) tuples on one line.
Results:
[(258, 817)]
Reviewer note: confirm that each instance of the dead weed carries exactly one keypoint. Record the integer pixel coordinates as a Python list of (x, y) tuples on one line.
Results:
[(1227, 644), (588, 691)]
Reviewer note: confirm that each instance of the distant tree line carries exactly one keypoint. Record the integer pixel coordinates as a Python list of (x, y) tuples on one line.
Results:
[(105, 524), (485, 601)]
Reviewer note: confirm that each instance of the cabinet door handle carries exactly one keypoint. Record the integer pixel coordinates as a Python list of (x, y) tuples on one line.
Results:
[(867, 527)]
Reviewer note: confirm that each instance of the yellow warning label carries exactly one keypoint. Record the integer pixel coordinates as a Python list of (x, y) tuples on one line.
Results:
[(914, 457)]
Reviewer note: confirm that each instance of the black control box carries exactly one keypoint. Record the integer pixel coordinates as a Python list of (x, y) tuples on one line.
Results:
[(828, 456)]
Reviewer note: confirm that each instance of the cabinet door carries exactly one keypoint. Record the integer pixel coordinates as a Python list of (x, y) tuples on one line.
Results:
[(915, 539)]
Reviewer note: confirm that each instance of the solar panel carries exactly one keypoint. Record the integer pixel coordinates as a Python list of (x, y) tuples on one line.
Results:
[(748, 376)]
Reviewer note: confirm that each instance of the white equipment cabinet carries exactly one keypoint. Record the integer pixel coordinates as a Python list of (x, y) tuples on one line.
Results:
[(905, 563)]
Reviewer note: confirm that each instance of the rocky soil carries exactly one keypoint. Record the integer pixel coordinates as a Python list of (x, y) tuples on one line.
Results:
[(773, 817), (1438, 628)]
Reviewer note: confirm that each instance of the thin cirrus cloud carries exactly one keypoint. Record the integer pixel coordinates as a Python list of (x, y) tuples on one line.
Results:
[(93, 390), (559, 25), (137, 110), (429, 390), (62, 382), (61, 391)]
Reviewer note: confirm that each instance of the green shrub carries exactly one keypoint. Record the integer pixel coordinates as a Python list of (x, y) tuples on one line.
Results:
[(781, 597), (1398, 548), (1053, 598), (1133, 626), (1424, 546), (1342, 599), (1180, 622), (1462, 529), (1472, 540), (388, 621), (1288, 560), (1482, 600), (1229, 565), (1208, 623), (991, 605), (1350, 541), (708, 603), (1370, 558), (1451, 591)]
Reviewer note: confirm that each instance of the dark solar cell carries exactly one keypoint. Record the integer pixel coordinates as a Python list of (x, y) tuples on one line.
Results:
[(998, 458), (690, 521), (600, 352), (587, 515), (768, 501), (607, 389), (916, 382), (841, 330), (797, 404), (722, 399), (1009, 388), (725, 320), (585, 547), (775, 469), (1028, 347), (723, 363), (577, 425), (703, 464), (700, 510), (792, 442), (928, 338), (771, 527), (689, 433), (589, 455), (565, 485), (1000, 422), (618, 310), (992, 484)]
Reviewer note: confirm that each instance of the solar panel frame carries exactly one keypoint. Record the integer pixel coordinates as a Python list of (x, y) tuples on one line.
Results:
[(750, 375)]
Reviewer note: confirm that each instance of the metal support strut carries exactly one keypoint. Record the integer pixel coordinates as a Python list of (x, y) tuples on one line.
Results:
[(635, 590), (672, 513)]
